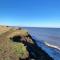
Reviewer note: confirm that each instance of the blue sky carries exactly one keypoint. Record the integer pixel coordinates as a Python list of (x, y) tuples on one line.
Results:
[(32, 13)]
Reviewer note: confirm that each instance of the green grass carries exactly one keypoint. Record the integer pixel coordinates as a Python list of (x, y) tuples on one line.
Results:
[(20, 50)]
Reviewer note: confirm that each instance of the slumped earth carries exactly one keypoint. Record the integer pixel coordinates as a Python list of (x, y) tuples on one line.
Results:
[(17, 44)]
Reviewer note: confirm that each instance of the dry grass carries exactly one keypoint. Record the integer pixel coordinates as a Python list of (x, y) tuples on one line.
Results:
[(8, 49), (4, 29), (18, 32)]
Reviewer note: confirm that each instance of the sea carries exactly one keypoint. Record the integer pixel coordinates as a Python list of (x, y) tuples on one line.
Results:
[(49, 35), (46, 38)]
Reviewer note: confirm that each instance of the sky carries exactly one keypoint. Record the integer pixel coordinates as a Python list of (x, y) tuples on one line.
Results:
[(30, 13)]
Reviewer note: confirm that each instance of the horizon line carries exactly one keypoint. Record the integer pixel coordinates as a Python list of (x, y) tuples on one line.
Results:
[(28, 26)]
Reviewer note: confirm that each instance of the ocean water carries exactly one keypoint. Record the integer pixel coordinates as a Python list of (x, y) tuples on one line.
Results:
[(49, 35)]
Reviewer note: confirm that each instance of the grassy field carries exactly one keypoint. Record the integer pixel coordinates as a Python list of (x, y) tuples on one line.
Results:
[(10, 50)]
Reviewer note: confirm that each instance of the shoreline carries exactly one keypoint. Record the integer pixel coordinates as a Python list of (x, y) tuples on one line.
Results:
[(50, 51), (52, 46)]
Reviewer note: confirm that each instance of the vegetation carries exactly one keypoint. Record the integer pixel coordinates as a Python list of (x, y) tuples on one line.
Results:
[(10, 50), (17, 44), (20, 50)]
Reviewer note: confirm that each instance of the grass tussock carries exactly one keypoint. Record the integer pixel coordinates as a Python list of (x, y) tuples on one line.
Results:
[(20, 50)]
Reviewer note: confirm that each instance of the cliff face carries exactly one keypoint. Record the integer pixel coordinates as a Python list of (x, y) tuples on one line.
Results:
[(17, 44)]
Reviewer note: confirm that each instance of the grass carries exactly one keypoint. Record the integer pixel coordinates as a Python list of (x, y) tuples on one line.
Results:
[(4, 29), (10, 50), (19, 32), (20, 50)]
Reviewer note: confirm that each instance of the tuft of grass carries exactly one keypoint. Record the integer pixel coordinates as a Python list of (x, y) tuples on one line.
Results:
[(20, 50)]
